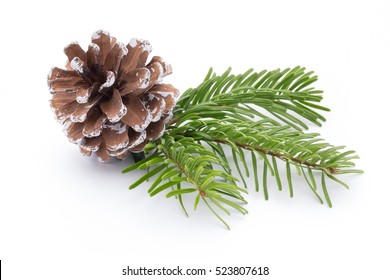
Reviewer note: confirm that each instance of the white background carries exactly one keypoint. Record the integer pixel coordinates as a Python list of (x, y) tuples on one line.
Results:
[(64, 216)]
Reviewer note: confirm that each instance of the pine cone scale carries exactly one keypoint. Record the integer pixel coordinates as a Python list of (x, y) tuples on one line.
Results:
[(93, 55), (64, 112), (114, 58), (155, 104), (168, 92), (135, 82), (94, 123), (139, 148), (60, 80), (155, 130), (74, 131), (80, 113), (91, 144), (114, 107), (74, 50), (156, 76), (166, 67), (136, 138), (104, 40), (136, 56), (102, 153), (60, 99), (111, 59), (83, 94), (116, 136), (89, 76), (137, 116), (85, 152)]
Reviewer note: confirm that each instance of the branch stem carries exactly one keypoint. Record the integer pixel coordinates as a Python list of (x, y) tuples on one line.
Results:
[(181, 168), (276, 154)]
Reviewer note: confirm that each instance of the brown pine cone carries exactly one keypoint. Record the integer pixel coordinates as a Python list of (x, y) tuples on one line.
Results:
[(109, 99)]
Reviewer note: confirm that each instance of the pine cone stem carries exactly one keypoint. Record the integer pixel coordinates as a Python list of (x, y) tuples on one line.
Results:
[(138, 156)]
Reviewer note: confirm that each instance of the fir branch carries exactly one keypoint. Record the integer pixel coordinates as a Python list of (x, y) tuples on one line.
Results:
[(284, 94), (304, 150), (281, 142), (183, 160), (231, 111)]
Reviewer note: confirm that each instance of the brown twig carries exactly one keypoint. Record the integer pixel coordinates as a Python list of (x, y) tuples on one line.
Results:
[(331, 170)]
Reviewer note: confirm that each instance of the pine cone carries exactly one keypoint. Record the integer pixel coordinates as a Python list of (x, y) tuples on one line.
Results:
[(109, 99)]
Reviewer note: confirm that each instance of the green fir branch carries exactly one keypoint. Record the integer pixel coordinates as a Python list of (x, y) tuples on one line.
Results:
[(284, 94), (184, 160), (282, 142), (255, 116)]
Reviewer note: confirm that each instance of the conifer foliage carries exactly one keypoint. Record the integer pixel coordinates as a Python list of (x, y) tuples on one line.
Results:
[(254, 123)]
